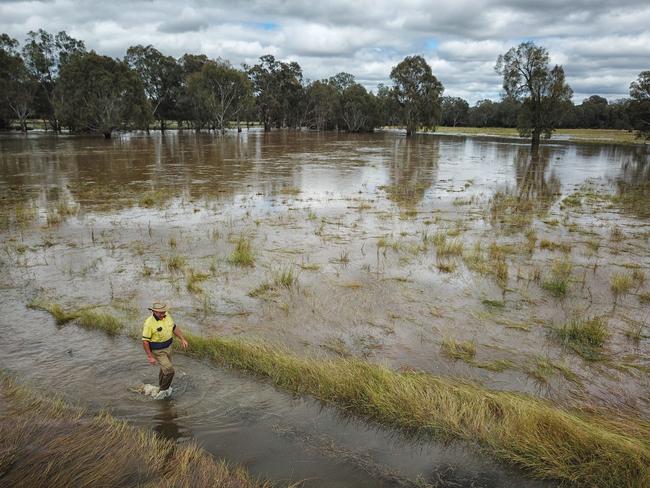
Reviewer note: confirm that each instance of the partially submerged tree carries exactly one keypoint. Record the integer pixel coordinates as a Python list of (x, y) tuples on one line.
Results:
[(17, 85), (44, 55), (161, 77), (417, 93), (324, 103), (219, 93), (358, 109), (640, 105), (542, 90), (99, 94), (278, 88)]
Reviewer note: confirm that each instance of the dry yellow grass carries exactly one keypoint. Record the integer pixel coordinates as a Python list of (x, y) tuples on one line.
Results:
[(44, 442)]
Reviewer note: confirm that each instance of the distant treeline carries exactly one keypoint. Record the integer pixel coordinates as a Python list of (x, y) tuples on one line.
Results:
[(55, 79)]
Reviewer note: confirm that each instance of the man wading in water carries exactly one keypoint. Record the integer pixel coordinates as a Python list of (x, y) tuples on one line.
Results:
[(157, 337)]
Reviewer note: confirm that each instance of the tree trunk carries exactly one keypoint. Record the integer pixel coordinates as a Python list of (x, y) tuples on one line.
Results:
[(534, 143), (107, 135), (162, 125)]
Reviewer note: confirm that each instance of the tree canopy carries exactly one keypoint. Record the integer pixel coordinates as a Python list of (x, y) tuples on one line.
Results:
[(417, 93), (99, 94), (542, 90)]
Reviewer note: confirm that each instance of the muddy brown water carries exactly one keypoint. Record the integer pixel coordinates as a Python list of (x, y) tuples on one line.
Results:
[(88, 222)]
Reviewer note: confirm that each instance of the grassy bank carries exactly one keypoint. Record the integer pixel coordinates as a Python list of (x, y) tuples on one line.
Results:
[(44, 442), (597, 136), (575, 447)]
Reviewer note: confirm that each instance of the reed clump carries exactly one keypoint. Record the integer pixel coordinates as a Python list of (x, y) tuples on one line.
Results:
[(464, 350), (242, 255), (621, 284), (85, 317), (45, 442), (578, 448), (586, 337), (558, 281)]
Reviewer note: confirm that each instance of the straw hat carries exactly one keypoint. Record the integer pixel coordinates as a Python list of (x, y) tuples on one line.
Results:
[(159, 307)]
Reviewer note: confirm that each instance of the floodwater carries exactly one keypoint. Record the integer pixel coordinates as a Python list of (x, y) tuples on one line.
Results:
[(356, 221)]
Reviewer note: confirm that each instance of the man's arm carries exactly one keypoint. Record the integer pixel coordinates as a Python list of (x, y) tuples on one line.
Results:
[(179, 334), (147, 349)]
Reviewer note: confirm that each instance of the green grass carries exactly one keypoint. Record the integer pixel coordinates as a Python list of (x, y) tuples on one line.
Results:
[(284, 277), (579, 448), (464, 350), (497, 366), (176, 262), (447, 248), (586, 337), (85, 317), (243, 254), (621, 283), (153, 199), (555, 246), (543, 368), (617, 234), (46, 442), (558, 280), (194, 280)]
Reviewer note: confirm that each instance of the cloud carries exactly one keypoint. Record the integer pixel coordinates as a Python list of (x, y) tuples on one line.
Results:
[(602, 44)]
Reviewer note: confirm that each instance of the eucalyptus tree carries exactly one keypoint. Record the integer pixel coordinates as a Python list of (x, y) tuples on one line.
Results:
[(323, 104), (277, 87), (542, 90), (45, 55), (161, 77), (454, 111), (358, 109), (99, 94), (417, 93), (219, 93), (640, 104), (17, 85)]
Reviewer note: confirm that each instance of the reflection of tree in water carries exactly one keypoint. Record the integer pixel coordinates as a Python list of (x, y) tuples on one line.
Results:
[(412, 170), (532, 183), (633, 186), (534, 192)]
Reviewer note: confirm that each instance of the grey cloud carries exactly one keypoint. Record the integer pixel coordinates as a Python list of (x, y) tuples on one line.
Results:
[(602, 44), (182, 25)]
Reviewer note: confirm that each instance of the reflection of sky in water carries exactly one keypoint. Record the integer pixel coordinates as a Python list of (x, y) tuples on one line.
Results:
[(262, 169)]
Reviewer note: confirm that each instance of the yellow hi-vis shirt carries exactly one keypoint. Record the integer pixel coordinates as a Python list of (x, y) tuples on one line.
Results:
[(159, 333)]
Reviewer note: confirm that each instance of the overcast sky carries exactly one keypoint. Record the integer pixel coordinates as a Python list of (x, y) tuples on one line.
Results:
[(603, 45)]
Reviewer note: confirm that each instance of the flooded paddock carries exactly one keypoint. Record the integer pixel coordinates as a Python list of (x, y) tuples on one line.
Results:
[(464, 257)]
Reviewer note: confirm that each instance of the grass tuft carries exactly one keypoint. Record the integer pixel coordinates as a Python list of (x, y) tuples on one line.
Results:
[(621, 284), (557, 282), (465, 350), (586, 337), (242, 255)]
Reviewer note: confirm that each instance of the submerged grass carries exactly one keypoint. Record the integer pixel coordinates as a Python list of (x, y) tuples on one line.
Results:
[(578, 448), (586, 337), (45, 442), (87, 318), (557, 282), (621, 283), (242, 255), (465, 350)]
